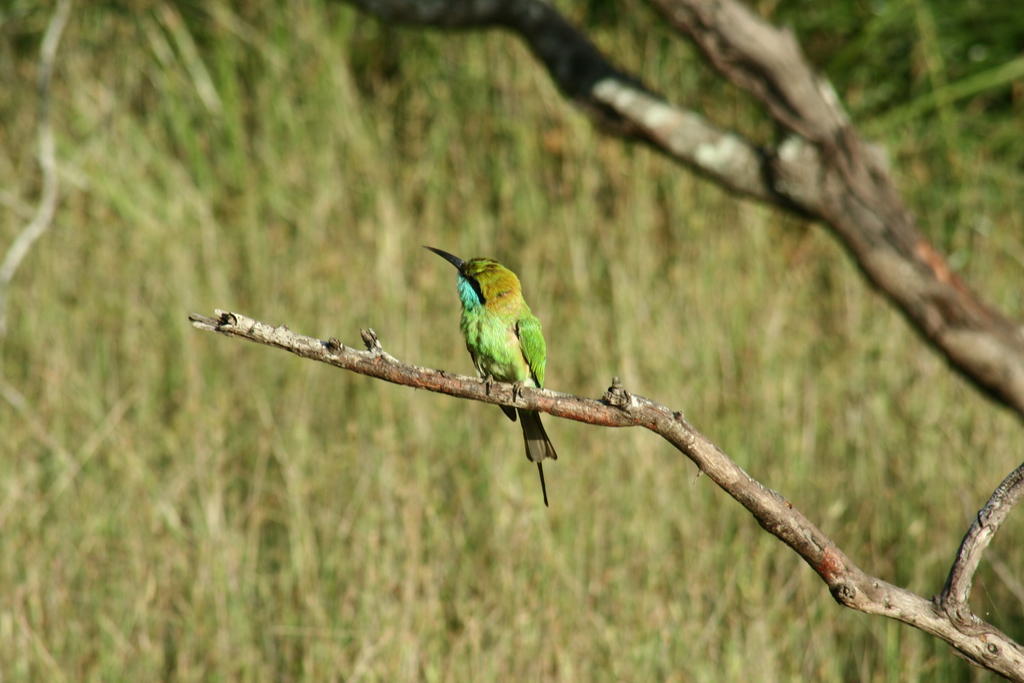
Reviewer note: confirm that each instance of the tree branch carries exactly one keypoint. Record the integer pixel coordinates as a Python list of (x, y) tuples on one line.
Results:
[(853, 193), (823, 170), (850, 586), (954, 596), (616, 100), (43, 216)]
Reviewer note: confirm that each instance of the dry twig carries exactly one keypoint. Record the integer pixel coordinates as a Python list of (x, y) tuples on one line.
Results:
[(43, 217)]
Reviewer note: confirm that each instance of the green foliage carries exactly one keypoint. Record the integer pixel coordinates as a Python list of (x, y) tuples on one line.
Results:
[(176, 505)]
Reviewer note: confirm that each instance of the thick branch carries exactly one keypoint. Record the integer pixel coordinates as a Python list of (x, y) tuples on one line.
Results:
[(615, 99), (824, 170), (853, 193), (849, 585)]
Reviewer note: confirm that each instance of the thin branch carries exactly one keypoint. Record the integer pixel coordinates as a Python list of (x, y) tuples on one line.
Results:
[(957, 590), (823, 170), (43, 217), (850, 586)]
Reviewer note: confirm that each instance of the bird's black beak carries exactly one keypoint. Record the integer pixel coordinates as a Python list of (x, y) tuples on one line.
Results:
[(450, 258)]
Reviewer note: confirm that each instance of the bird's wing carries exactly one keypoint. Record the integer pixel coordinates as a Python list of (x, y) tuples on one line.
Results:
[(531, 342)]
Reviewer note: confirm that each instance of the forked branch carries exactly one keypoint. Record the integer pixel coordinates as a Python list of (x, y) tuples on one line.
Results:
[(953, 599), (850, 586)]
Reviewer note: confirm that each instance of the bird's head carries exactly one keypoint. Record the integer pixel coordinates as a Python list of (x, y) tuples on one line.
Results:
[(481, 281)]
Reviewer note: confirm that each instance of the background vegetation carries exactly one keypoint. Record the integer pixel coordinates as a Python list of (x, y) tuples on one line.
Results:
[(177, 505)]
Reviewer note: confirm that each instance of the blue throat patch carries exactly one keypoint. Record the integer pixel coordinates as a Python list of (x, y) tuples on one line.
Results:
[(468, 295)]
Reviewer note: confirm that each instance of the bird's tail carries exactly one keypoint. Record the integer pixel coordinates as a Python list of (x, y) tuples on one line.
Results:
[(538, 445)]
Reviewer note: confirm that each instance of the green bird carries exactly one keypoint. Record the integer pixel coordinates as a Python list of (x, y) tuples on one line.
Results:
[(505, 341)]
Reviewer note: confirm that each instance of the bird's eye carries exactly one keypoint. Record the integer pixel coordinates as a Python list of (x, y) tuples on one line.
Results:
[(476, 288)]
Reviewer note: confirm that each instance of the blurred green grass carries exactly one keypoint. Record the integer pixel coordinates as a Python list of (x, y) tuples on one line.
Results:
[(182, 506)]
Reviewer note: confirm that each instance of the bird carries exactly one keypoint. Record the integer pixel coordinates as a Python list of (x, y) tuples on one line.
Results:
[(505, 341)]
